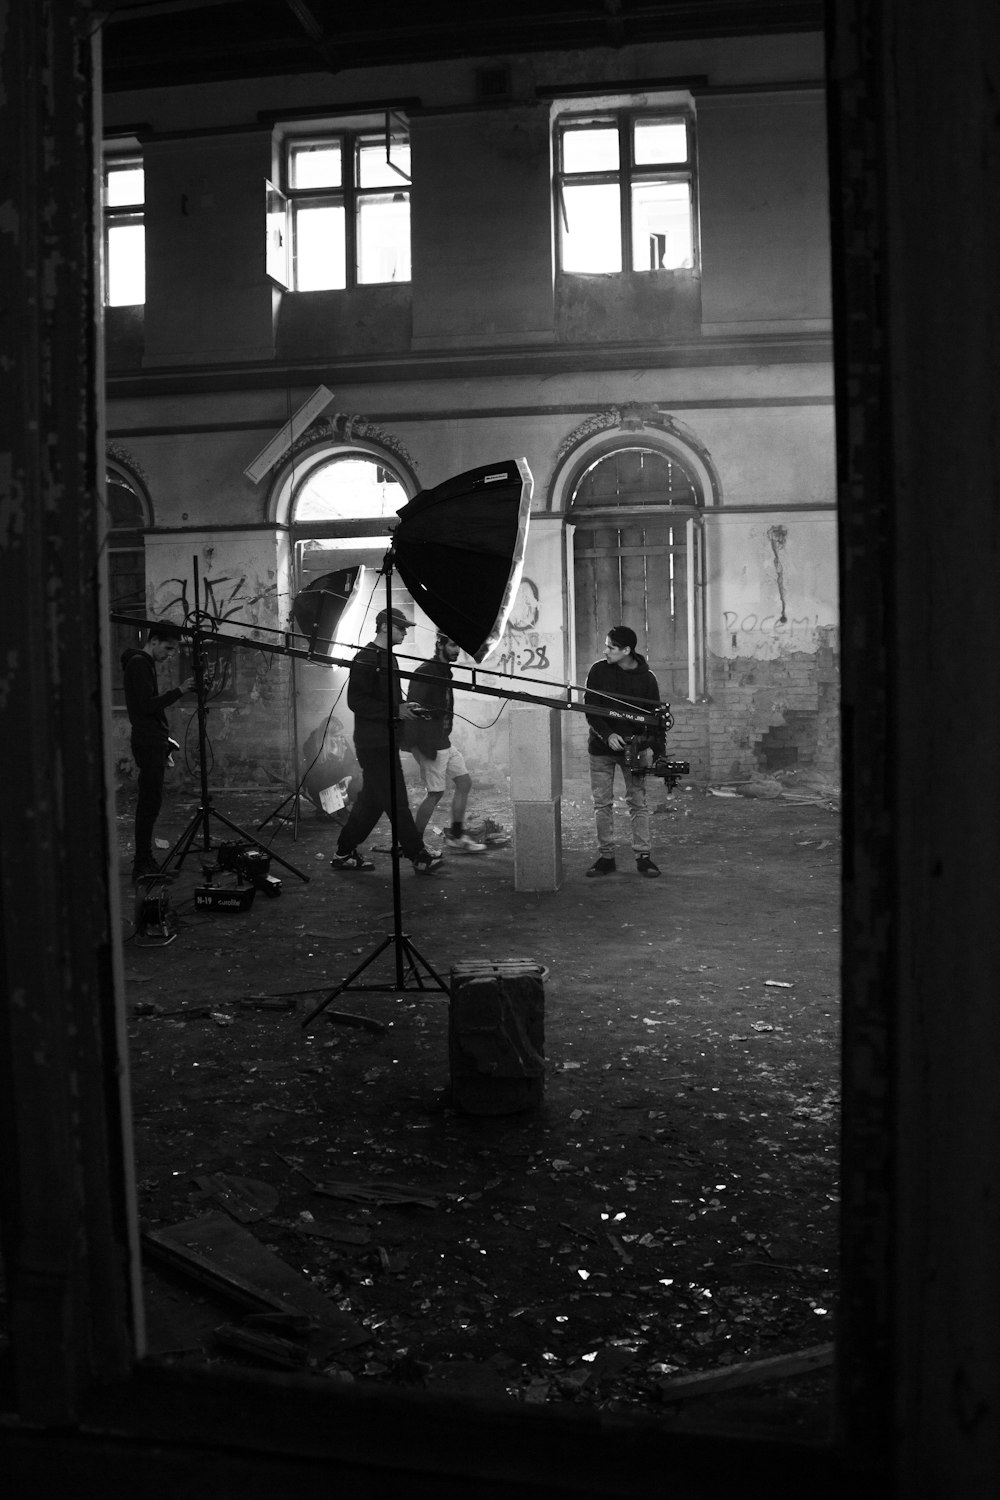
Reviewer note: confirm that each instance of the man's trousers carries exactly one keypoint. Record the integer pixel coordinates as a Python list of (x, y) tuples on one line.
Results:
[(378, 768)]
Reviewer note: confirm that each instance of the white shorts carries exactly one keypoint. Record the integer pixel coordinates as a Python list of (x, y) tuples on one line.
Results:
[(435, 769)]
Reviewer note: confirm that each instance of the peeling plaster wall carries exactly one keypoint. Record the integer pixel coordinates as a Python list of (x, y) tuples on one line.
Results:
[(248, 700), (772, 637), (488, 355)]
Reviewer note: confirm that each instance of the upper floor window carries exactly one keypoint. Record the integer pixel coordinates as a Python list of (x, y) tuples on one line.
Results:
[(347, 207), (625, 190), (124, 231)]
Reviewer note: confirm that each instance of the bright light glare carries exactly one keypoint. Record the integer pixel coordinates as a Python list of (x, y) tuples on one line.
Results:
[(320, 253), (315, 166), (349, 488), (591, 230), (375, 171), (657, 141), (126, 265), (591, 150), (384, 238), (126, 186), (661, 226)]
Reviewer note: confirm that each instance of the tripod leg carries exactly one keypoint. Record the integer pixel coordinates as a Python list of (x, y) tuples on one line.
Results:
[(346, 982), (182, 848), (257, 843), (277, 811), (412, 953)]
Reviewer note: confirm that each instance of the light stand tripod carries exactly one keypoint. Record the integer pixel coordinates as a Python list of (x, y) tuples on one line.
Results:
[(207, 810), (408, 959)]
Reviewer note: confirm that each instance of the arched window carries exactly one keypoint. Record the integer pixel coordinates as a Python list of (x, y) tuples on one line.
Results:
[(634, 476), (637, 560), (128, 519), (348, 487), (340, 512)]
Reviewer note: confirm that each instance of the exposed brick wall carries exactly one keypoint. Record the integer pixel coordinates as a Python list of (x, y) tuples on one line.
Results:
[(789, 705)]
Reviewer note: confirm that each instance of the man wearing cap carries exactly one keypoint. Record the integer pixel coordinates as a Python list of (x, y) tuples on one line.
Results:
[(621, 676), (369, 694)]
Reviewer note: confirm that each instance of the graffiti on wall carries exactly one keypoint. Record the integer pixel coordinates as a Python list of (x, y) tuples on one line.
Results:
[(224, 598), (768, 636), (525, 649)]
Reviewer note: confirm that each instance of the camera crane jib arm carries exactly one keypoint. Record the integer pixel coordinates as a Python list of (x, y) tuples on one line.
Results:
[(319, 652)]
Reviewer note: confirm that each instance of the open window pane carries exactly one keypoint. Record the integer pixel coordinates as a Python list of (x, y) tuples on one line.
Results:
[(594, 149), (315, 165), (375, 170), (126, 186), (659, 141), (590, 229), (661, 226), (384, 238), (320, 256), (126, 265)]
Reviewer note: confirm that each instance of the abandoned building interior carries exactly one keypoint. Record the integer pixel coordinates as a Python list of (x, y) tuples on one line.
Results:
[(273, 269)]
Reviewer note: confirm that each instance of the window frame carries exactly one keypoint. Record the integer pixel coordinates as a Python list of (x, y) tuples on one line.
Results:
[(119, 214), (914, 1354), (350, 195), (626, 176)]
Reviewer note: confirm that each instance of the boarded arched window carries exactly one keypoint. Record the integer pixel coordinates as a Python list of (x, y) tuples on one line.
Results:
[(635, 560)]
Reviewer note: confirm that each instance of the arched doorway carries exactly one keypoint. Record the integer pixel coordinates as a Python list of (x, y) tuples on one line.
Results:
[(341, 502), (637, 558)]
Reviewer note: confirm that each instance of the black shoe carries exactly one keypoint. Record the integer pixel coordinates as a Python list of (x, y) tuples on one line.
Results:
[(602, 866), (645, 866), (144, 864), (426, 862), (353, 861)]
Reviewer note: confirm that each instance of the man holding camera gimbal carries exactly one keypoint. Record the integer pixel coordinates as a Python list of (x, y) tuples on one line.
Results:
[(620, 676)]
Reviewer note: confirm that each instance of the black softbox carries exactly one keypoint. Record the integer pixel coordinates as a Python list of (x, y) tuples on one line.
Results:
[(318, 608), (459, 549)]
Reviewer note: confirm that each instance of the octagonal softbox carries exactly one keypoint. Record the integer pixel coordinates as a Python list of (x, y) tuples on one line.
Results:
[(318, 608), (459, 548)]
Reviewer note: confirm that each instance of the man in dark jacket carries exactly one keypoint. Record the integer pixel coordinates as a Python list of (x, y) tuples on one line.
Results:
[(369, 696), (150, 739), (620, 676), (429, 741)]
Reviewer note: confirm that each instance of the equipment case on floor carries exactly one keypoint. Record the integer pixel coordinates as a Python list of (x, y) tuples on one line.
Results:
[(496, 1036)]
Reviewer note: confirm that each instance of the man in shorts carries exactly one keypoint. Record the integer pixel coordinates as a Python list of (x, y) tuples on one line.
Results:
[(429, 741)]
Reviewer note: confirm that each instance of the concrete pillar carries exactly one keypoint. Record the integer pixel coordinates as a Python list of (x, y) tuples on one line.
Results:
[(536, 789)]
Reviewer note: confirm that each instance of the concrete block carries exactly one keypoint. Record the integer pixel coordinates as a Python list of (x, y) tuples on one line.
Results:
[(535, 753), (538, 846)]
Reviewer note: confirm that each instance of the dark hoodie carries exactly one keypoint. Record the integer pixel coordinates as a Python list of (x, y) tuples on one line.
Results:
[(638, 687), (146, 707)]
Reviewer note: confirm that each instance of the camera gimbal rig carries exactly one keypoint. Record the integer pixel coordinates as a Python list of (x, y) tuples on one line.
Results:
[(642, 758)]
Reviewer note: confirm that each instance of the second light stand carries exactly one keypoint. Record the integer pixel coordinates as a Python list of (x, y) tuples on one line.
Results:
[(206, 809), (408, 960)]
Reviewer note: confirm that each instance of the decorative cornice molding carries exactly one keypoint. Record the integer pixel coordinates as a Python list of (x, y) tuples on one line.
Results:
[(123, 456), (631, 416), (347, 428)]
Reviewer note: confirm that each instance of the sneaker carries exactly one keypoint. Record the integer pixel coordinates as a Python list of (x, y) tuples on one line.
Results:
[(426, 862), (602, 866), (462, 843), (353, 861), (490, 833), (645, 866)]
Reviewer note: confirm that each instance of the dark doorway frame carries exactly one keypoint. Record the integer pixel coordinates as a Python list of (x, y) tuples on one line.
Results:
[(916, 237)]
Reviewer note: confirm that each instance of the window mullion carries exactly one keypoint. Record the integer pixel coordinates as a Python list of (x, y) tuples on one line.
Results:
[(352, 204), (625, 186)]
